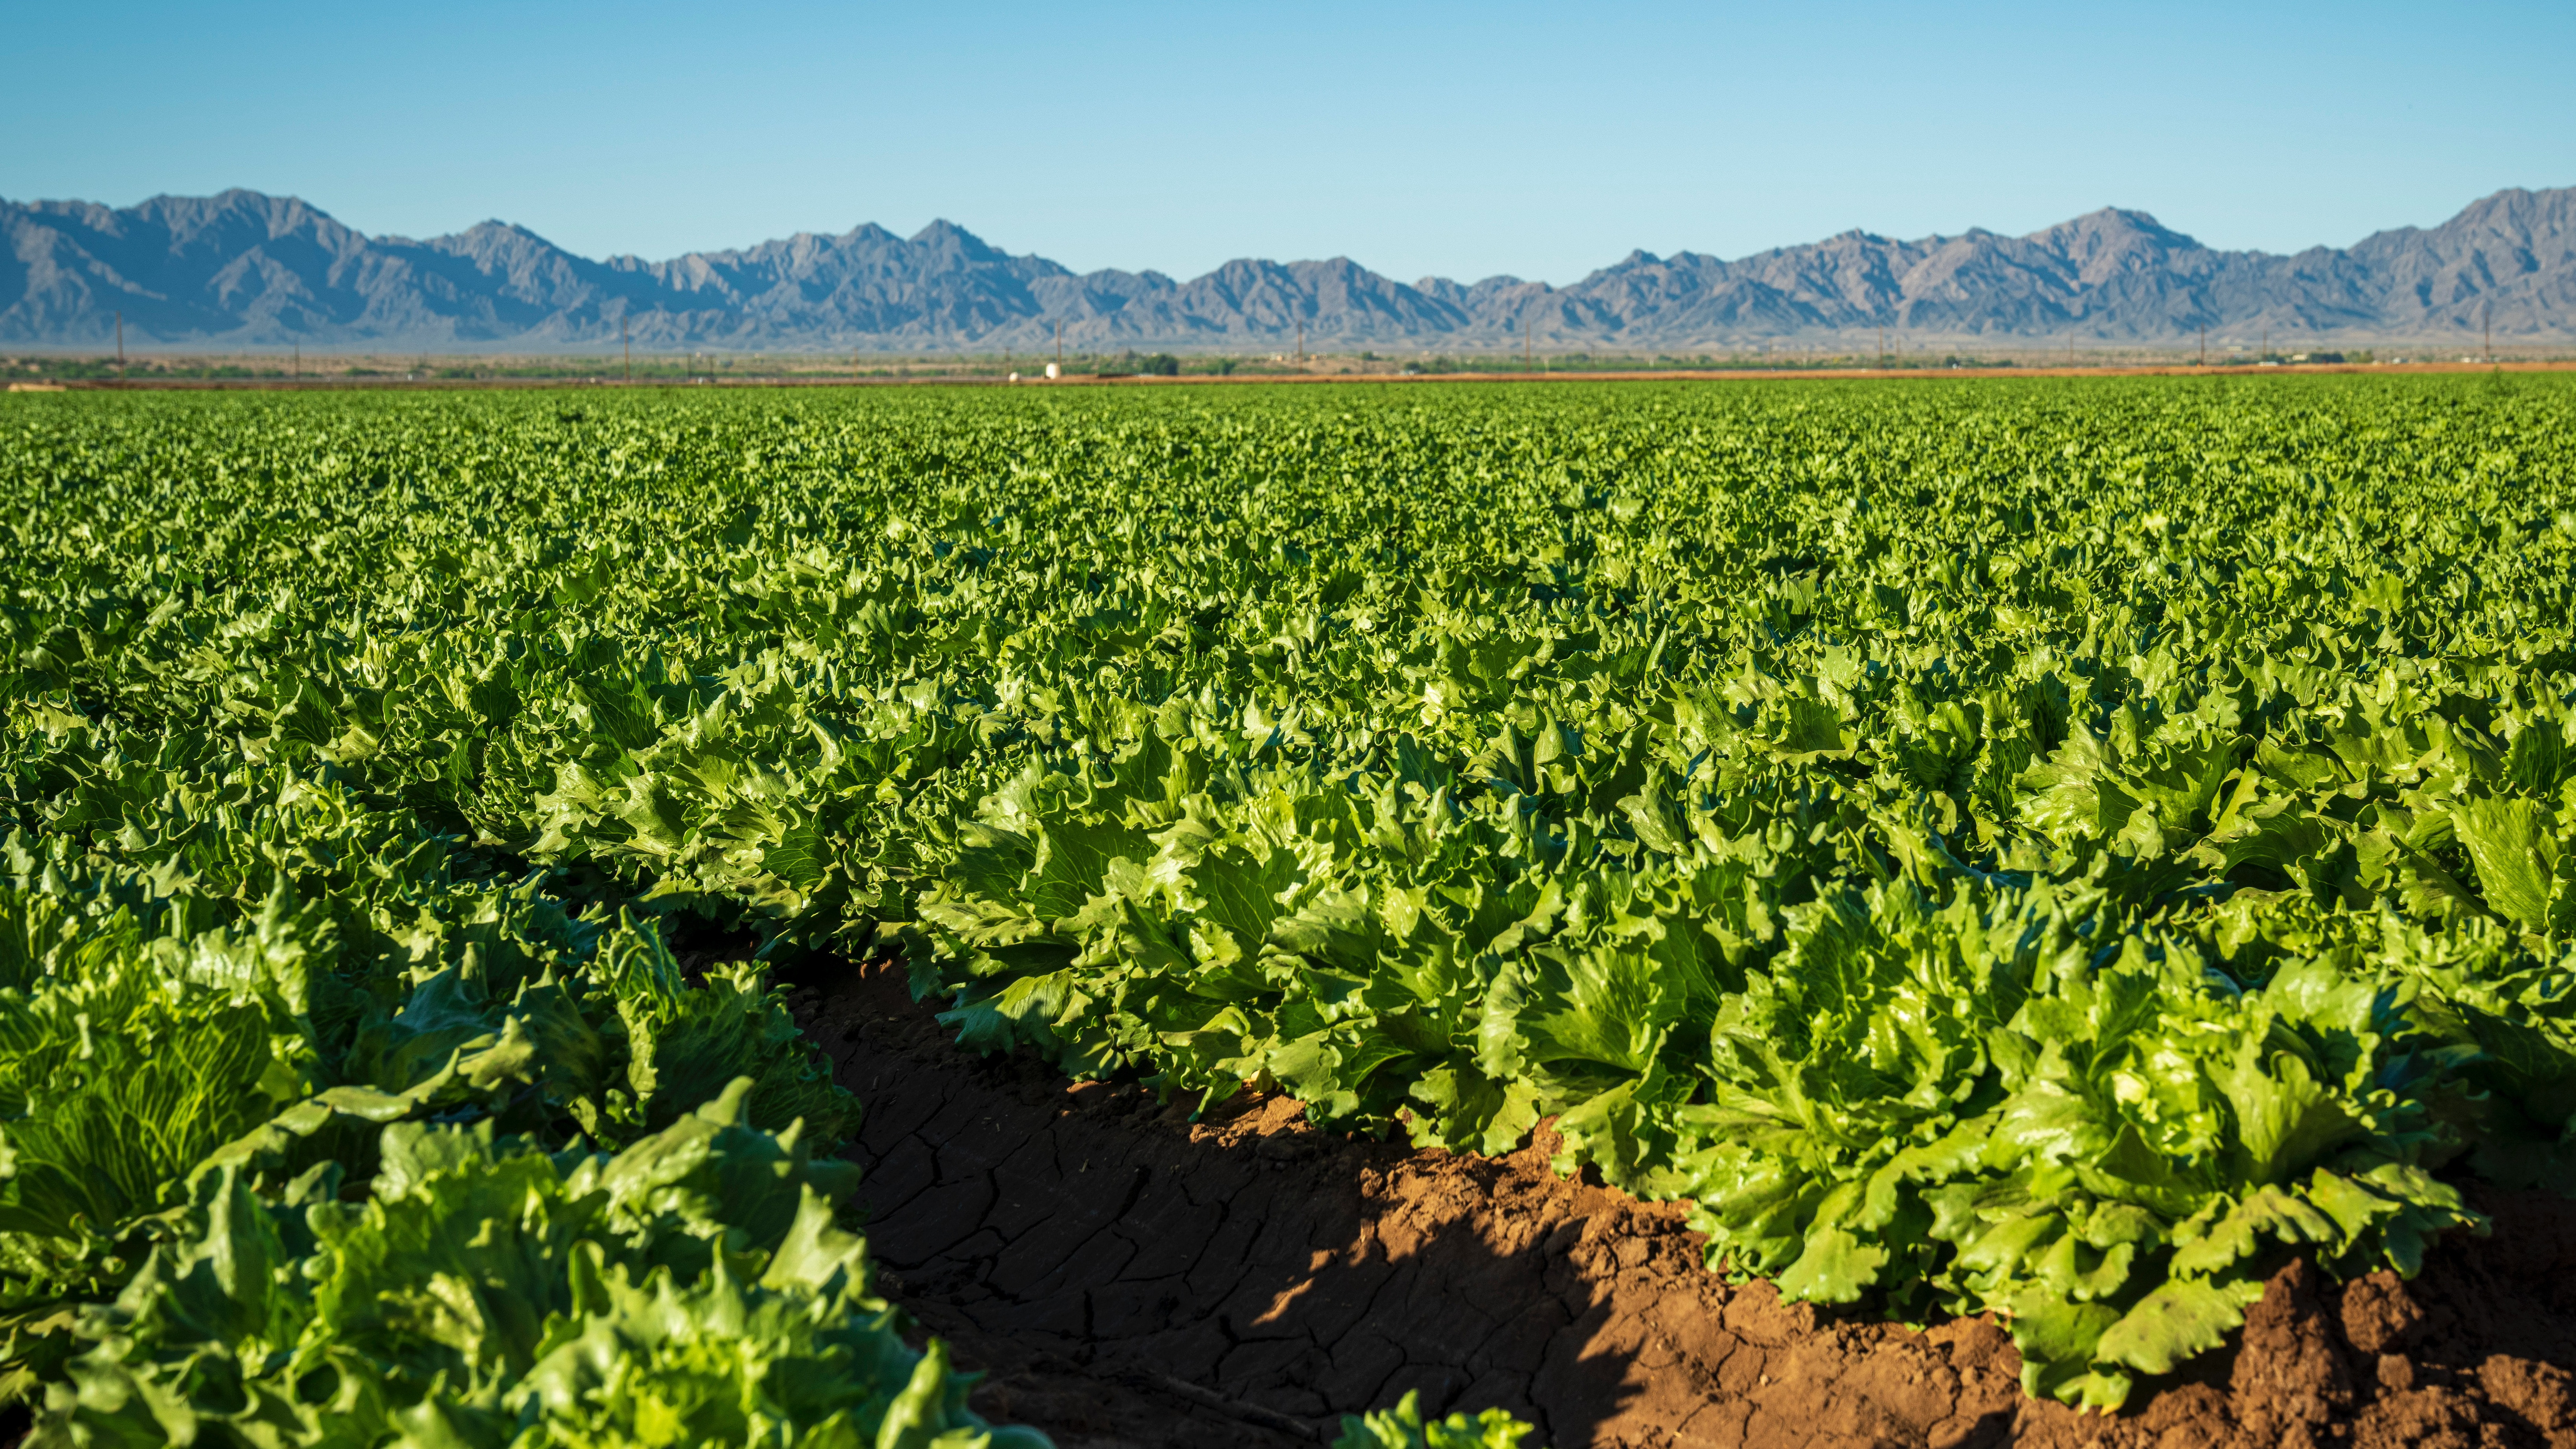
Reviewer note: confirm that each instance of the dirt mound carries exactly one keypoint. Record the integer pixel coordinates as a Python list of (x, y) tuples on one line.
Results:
[(1132, 1278)]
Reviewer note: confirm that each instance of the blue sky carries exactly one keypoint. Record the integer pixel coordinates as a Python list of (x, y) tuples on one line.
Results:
[(1461, 140)]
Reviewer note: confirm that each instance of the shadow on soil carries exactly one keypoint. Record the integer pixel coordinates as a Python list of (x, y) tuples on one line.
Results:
[(1132, 1278), (1128, 1277)]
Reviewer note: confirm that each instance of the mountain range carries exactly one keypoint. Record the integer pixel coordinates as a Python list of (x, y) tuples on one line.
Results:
[(246, 270)]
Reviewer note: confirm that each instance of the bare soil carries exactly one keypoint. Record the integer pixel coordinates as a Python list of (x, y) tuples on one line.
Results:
[(1130, 1278)]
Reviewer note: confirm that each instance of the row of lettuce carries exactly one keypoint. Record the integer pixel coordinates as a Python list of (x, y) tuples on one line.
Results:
[(321, 1133), (414, 1163), (2056, 849), (325, 1122)]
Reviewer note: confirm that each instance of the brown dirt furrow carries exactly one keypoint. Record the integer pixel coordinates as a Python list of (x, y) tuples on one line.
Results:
[(1130, 1278)]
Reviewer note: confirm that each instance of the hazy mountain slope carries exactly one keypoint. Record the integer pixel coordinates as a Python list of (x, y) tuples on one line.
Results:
[(243, 269), (2515, 251)]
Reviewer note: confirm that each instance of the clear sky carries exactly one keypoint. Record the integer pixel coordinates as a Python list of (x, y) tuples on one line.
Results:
[(1452, 139)]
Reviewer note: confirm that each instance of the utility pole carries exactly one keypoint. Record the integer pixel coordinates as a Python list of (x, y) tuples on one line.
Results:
[(1301, 342), (1882, 349), (295, 361), (120, 342), (626, 339), (2204, 344), (1059, 343), (2486, 319), (1525, 344)]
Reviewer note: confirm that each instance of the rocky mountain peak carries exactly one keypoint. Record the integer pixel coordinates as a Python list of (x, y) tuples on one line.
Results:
[(244, 268)]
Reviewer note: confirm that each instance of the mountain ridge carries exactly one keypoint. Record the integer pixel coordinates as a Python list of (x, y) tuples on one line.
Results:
[(245, 269)]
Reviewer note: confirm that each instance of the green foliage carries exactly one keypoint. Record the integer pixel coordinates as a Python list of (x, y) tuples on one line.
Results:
[(1402, 1427), (1967, 1101), (142, 1048), (2055, 848), (693, 1289), (123, 1064)]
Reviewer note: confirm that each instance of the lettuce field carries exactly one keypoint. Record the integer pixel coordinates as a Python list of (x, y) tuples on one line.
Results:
[(2055, 850)]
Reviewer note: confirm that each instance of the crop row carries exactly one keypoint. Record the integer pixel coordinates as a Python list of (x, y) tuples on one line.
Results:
[(2051, 849)]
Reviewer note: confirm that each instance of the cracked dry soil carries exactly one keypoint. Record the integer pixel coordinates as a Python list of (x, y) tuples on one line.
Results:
[(1129, 1278)]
